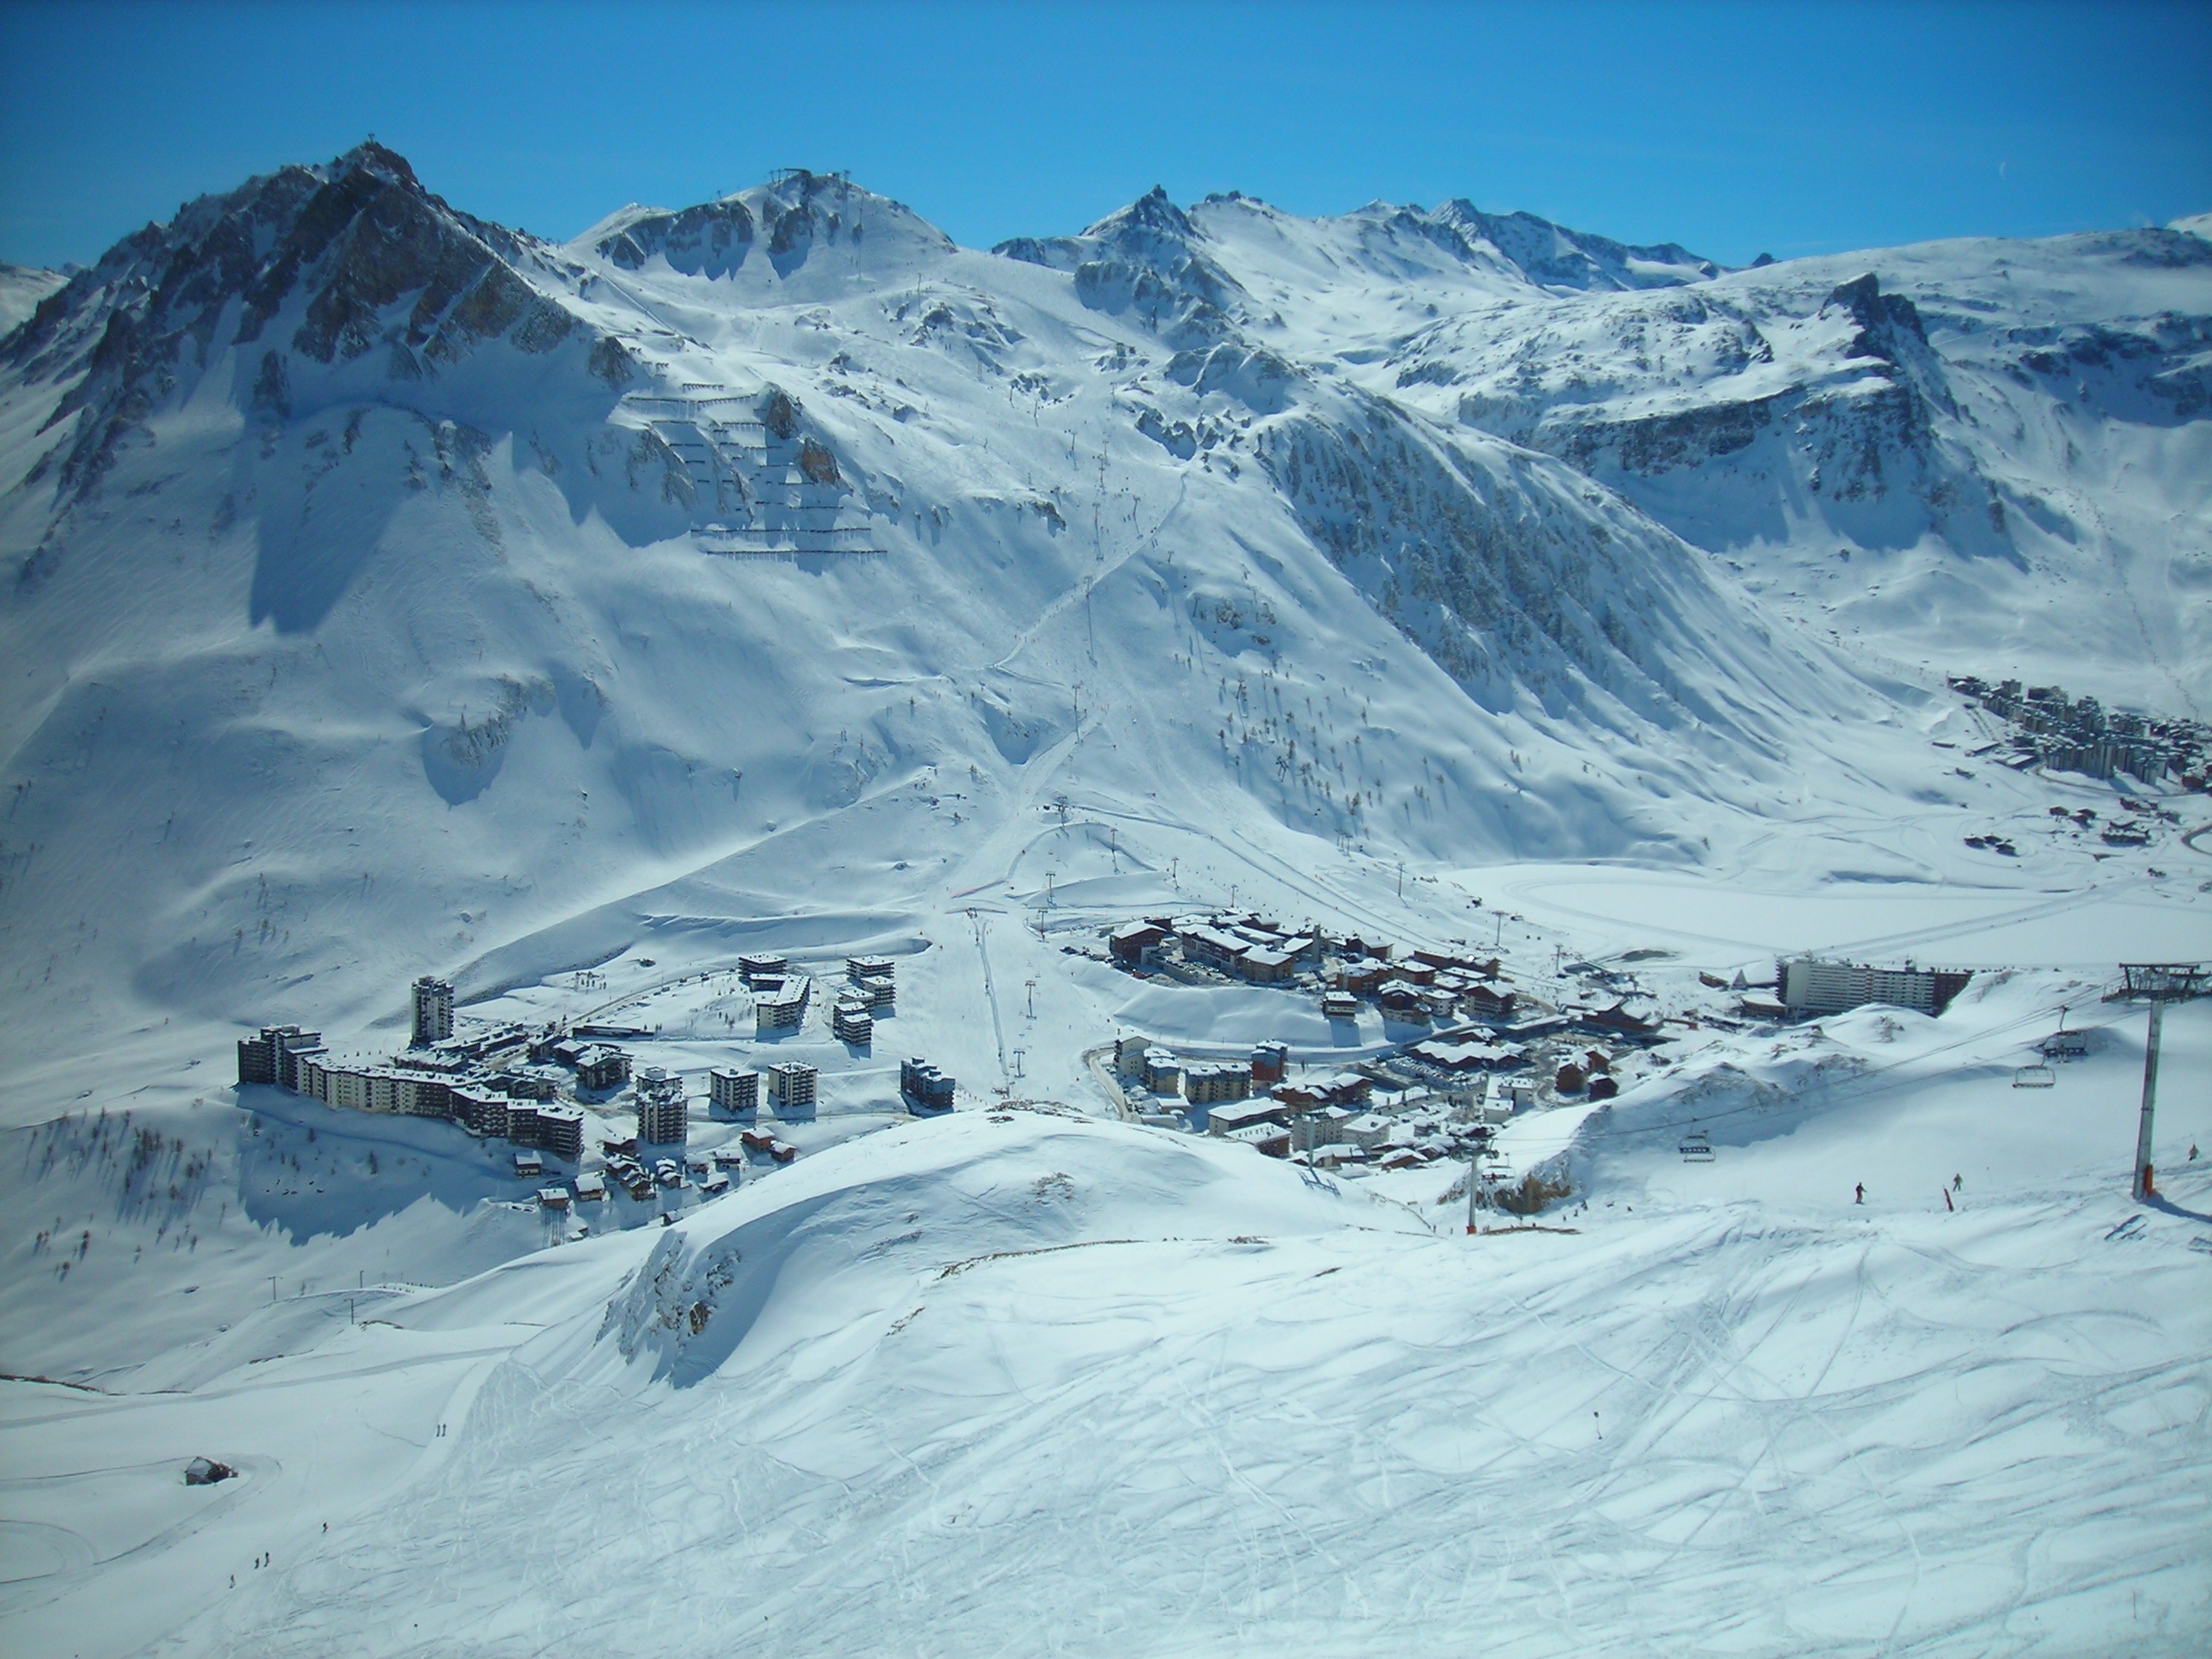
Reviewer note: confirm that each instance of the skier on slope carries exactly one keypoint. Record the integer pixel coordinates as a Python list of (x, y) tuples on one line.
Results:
[(1860, 1197)]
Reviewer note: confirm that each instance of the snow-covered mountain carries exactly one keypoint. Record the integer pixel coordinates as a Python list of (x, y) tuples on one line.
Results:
[(383, 592)]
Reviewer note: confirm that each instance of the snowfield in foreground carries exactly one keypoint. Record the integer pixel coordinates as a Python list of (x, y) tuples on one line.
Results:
[(1022, 1381)]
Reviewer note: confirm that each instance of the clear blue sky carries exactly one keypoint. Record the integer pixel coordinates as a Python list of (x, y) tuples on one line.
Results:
[(1793, 129)]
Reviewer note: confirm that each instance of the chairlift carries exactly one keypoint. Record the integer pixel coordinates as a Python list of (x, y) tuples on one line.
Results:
[(1697, 1147), (2038, 1076), (2064, 1045)]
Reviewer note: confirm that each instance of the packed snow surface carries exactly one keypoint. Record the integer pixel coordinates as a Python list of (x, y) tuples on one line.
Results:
[(385, 593), (1018, 1380)]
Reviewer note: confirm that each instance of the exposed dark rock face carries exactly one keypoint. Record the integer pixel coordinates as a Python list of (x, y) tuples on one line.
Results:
[(1253, 375), (708, 240), (780, 414), (1666, 442), (817, 463), (1147, 262), (2159, 373), (356, 251), (1500, 577), (1552, 256), (1890, 332)]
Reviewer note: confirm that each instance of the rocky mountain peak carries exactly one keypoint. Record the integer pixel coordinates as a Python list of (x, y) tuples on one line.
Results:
[(326, 264), (1882, 316), (1143, 260), (1553, 256), (797, 214), (1153, 212), (370, 157)]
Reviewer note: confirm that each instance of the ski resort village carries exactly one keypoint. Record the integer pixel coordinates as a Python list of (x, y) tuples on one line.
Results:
[(1408, 932)]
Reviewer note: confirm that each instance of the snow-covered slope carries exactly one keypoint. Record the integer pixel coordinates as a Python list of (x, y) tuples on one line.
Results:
[(1992, 449), (391, 591), (1984, 451), (366, 604), (21, 288), (1026, 1381), (383, 592)]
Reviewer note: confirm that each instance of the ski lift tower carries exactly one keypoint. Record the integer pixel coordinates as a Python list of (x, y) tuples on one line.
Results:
[(2156, 983)]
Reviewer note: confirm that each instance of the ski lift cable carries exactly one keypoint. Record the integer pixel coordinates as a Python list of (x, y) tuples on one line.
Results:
[(1853, 1088)]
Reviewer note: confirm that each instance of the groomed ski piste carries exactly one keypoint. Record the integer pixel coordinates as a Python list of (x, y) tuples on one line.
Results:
[(1449, 578)]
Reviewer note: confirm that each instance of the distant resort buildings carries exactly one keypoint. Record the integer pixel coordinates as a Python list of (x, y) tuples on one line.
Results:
[(433, 1011), (1810, 985), (1465, 1046), (531, 1087), (2078, 735)]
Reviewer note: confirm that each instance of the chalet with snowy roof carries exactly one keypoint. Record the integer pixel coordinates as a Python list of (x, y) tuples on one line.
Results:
[(1346, 1088), (1232, 1114), (1364, 977), (1618, 1018), (601, 1069), (1270, 1138), (1482, 1002), (1401, 1001), (1137, 944), (1213, 948), (1465, 1055)]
